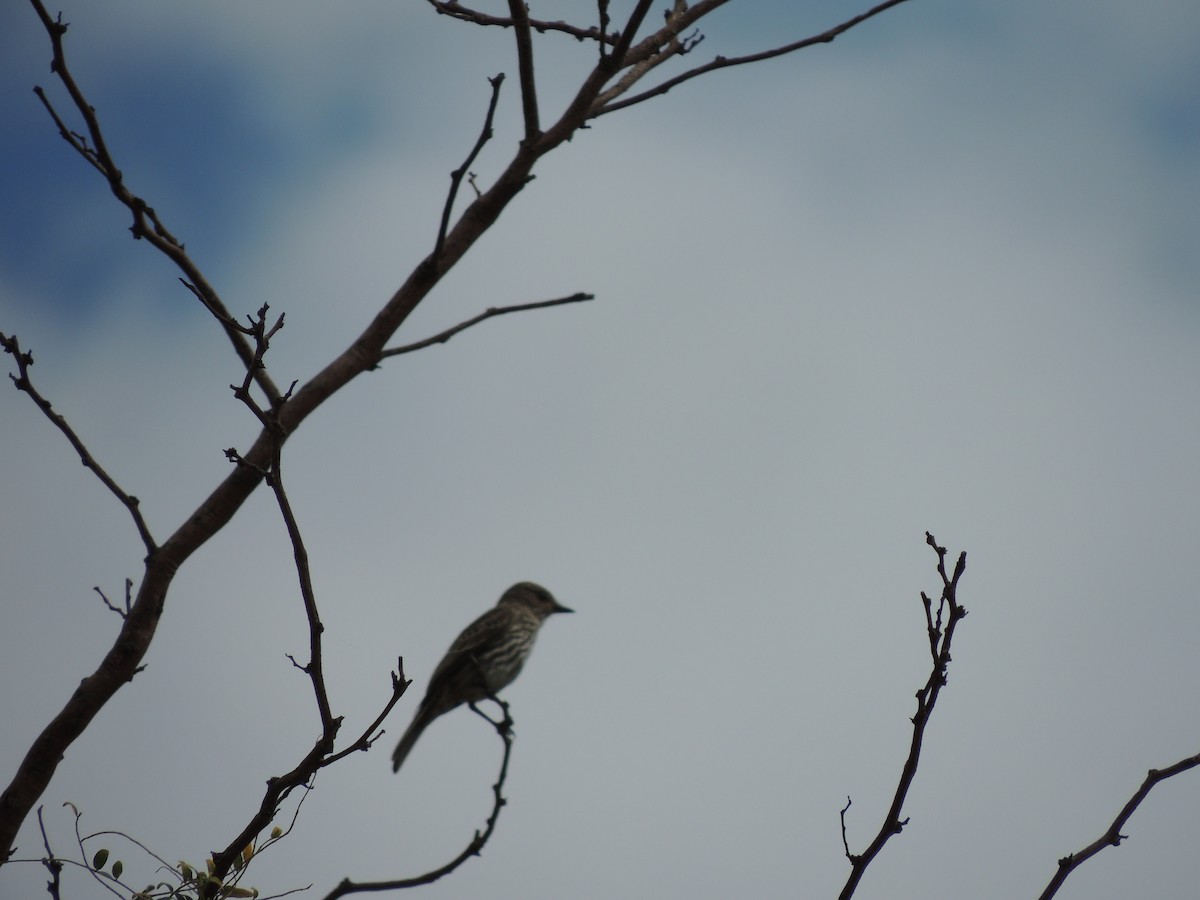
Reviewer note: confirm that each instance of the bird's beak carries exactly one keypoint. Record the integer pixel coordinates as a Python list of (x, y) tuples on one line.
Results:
[(558, 607)]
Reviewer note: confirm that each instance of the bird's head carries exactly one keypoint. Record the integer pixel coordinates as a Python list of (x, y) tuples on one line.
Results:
[(535, 598)]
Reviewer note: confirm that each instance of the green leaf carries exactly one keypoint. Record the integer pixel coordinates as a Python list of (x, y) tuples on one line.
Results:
[(100, 859), (118, 868)]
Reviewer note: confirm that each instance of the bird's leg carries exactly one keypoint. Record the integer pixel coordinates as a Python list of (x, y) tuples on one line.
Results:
[(506, 725), (503, 725), (479, 712)]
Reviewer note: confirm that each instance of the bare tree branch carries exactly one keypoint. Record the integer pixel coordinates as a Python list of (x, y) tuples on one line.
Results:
[(443, 336), (473, 848), (680, 17), (602, 12), (315, 668), (722, 62), (128, 599), (146, 223), (53, 865), (140, 625), (94, 869), (577, 112), (21, 380), (371, 733), (456, 176), (123, 658), (319, 757), (926, 700), (257, 328), (653, 51), (456, 10), (322, 753), (529, 102), (625, 40), (1113, 837), (636, 72)]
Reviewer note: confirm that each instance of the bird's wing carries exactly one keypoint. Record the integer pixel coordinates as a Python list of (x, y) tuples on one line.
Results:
[(474, 636)]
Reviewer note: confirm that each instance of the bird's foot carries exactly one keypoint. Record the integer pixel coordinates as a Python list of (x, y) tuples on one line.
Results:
[(504, 725)]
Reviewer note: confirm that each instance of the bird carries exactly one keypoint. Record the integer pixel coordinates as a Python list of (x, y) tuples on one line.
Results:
[(484, 659)]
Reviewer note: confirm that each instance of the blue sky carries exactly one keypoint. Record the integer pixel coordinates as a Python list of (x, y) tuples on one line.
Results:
[(938, 275)]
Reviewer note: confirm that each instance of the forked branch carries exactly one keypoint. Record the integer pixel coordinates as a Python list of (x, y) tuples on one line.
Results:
[(456, 10), (454, 240), (322, 753), (927, 696), (664, 36), (474, 846), (456, 176), (146, 223)]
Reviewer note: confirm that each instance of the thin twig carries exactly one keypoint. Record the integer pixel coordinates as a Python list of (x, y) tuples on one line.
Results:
[(845, 842), (321, 755), (146, 223), (53, 865), (278, 788), (602, 11), (218, 313), (371, 733), (681, 17), (121, 834), (22, 382), (101, 877), (638, 71), (443, 336), (723, 62), (456, 176), (665, 44), (123, 613), (315, 668), (257, 328), (1113, 837), (926, 700), (456, 10), (476, 844), (580, 109)]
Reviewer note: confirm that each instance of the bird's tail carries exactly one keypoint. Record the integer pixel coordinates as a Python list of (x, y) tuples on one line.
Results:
[(419, 723)]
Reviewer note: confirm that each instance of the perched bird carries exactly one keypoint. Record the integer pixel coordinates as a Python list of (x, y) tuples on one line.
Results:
[(484, 659)]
